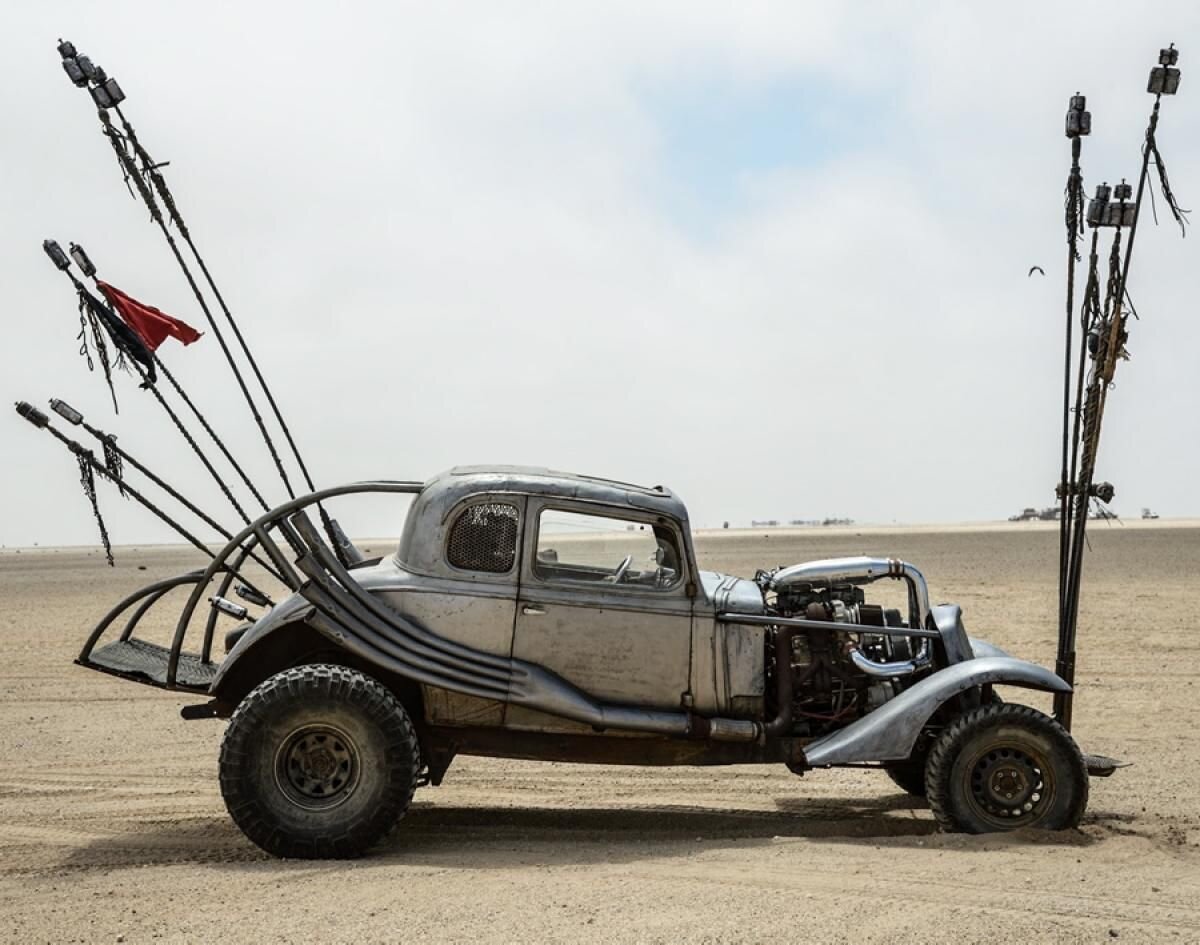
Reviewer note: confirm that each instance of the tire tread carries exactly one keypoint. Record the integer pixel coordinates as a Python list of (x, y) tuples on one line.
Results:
[(341, 684), (946, 747)]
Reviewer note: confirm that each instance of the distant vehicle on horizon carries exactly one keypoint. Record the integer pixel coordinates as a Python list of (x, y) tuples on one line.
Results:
[(1148, 514), (1048, 514)]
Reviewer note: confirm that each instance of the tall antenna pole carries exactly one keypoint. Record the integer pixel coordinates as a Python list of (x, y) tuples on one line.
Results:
[(88, 268), (1106, 344), (111, 449), (86, 458), (150, 168), (60, 260), (1078, 124), (107, 94)]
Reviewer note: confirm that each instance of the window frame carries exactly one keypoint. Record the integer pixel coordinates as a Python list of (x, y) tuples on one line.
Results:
[(620, 513), (459, 510)]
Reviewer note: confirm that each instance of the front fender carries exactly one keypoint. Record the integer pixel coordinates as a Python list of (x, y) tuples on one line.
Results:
[(890, 732), (982, 648)]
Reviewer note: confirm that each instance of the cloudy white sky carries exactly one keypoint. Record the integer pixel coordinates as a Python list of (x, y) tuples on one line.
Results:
[(772, 255)]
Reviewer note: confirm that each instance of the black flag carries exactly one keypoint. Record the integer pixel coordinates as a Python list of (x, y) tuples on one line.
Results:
[(125, 338)]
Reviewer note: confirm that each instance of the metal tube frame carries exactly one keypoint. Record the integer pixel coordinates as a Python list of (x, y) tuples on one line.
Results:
[(228, 562)]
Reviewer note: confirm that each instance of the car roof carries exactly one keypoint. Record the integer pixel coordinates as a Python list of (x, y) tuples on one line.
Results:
[(426, 527), (462, 481)]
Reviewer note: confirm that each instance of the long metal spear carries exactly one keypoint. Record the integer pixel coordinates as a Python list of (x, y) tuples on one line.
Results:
[(109, 442), (132, 172), (151, 169), (1079, 123), (54, 251), (42, 422), (106, 94), (89, 269), (1109, 348)]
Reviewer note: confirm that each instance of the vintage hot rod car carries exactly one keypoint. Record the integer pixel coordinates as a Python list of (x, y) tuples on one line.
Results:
[(541, 615)]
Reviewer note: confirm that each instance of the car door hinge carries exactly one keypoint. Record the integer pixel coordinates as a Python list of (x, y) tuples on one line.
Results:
[(687, 700)]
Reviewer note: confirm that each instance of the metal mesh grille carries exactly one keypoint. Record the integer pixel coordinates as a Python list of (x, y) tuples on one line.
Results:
[(484, 538)]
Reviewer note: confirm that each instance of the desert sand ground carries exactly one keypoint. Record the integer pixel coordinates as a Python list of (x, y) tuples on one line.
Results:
[(112, 828)]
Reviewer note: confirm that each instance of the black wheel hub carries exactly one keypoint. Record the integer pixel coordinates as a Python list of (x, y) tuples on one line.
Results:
[(317, 767), (1008, 785)]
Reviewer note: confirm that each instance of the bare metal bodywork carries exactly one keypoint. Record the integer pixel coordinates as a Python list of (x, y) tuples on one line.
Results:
[(700, 668)]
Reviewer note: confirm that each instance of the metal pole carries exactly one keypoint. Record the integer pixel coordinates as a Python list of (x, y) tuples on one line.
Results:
[(1110, 337), (41, 421), (1078, 124), (110, 441), (150, 168), (131, 171), (79, 254), (106, 94), (174, 417)]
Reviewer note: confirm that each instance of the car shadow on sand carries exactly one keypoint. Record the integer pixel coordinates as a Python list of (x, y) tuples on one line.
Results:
[(500, 837)]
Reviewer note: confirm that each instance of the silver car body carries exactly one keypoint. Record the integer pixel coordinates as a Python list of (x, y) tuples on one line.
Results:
[(611, 658)]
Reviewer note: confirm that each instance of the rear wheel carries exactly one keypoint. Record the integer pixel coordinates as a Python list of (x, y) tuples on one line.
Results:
[(318, 762), (1002, 767)]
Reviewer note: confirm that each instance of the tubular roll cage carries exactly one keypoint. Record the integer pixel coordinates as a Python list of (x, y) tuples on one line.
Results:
[(228, 563)]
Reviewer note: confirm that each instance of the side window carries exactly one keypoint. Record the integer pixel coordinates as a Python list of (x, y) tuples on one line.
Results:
[(484, 538), (573, 546)]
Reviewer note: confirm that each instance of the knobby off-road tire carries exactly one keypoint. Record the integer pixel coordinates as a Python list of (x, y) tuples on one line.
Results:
[(318, 762), (1002, 767)]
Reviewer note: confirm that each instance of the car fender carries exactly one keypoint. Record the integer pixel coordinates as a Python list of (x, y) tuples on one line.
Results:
[(982, 648), (890, 732), (289, 611)]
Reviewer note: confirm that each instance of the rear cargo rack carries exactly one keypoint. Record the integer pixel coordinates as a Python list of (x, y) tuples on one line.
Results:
[(170, 667)]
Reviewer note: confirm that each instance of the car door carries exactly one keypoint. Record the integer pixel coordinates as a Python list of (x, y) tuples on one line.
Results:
[(603, 603)]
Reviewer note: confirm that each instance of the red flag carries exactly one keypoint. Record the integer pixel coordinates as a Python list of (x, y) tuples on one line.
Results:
[(153, 326)]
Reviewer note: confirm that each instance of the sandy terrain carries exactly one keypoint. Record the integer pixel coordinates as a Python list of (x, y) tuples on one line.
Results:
[(112, 828)]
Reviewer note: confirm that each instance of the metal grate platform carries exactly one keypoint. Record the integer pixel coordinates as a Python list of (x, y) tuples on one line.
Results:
[(147, 662)]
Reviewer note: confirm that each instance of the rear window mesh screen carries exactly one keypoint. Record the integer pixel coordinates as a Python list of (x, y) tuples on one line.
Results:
[(484, 538)]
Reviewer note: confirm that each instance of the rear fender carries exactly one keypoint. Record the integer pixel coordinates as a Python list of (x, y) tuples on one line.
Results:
[(890, 732), (284, 638), (280, 637)]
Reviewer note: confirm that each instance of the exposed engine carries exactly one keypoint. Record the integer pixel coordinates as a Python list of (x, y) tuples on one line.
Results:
[(839, 675)]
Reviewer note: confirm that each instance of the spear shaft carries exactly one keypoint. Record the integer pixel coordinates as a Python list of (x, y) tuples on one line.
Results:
[(1078, 124), (131, 171), (41, 421), (110, 441), (176, 421), (150, 169), (1109, 333), (168, 199)]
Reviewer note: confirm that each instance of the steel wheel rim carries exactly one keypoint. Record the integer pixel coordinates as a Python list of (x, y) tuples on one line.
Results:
[(317, 767), (1009, 785)]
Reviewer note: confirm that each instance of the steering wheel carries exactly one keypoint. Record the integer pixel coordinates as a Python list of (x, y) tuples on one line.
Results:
[(622, 568)]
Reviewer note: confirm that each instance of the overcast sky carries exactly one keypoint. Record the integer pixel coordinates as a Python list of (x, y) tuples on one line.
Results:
[(771, 255)]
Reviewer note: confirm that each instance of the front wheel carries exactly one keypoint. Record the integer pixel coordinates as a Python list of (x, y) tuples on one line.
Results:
[(908, 775), (1005, 766), (318, 762)]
